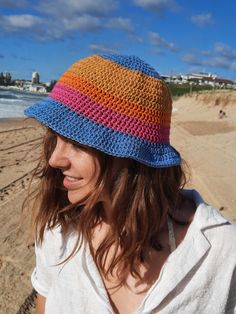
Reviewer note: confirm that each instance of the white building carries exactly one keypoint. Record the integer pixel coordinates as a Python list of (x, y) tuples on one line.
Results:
[(200, 78), (200, 75), (35, 78), (34, 88)]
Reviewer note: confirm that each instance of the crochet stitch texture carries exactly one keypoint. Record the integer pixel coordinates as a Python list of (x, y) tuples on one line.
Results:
[(116, 104)]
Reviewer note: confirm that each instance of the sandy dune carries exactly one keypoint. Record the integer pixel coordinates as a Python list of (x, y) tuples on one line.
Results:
[(206, 142)]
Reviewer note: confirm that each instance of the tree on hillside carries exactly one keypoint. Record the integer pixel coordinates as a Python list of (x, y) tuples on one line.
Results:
[(5, 79), (50, 87), (1, 79)]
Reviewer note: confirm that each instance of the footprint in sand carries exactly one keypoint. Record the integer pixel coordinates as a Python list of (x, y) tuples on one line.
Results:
[(222, 208)]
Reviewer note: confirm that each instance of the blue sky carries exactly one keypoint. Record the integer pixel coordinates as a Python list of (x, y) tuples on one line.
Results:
[(174, 36)]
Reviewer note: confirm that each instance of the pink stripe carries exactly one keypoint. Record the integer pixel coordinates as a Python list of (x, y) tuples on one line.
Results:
[(85, 106)]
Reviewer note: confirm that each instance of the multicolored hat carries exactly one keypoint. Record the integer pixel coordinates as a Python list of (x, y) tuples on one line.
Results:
[(116, 104)]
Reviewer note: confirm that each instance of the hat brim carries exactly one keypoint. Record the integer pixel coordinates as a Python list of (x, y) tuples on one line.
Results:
[(79, 128)]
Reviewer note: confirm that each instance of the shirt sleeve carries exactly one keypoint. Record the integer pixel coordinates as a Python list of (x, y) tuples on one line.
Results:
[(41, 277), (48, 254)]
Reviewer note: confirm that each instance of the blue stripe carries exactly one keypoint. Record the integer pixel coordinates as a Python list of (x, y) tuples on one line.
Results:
[(132, 63), (66, 122)]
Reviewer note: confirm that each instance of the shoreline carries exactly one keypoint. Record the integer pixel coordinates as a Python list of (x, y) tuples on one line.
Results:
[(13, 103), (12, 119), (21, 91), (19, 122)]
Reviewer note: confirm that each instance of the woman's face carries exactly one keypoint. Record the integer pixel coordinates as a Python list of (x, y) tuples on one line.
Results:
[(79, 167)]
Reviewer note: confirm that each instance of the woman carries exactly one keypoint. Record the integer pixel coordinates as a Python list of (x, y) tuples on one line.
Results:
[(115, 230)]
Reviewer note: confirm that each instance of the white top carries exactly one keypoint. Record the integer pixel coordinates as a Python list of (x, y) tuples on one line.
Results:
[(198, 277)]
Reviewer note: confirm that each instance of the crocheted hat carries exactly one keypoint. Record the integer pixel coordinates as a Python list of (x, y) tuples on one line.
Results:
[(116, 104)]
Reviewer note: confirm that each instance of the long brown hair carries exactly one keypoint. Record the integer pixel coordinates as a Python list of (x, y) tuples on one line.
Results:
[(141, 197)]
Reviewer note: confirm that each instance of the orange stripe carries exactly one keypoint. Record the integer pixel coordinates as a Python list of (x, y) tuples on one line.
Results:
[(117, 105), (131, 86)]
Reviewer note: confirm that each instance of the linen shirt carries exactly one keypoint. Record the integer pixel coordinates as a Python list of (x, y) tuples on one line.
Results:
[(198, 277)]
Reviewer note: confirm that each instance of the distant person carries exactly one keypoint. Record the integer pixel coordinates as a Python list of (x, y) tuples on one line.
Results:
[(115, 230), (222, 114)]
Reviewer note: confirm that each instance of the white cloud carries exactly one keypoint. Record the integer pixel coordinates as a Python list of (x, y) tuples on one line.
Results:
[(99, 48), (16, 23), (13, 3), (82, 23), (158, 51), (221, 56), (62, 8), (225, 50), (156, 40), (56, 19), (202, 20), (59, 18), (191, 58), (206, 53), (233, 66), (158, 6), (218, 62), (45, 29), (136, 38), (121, 23), (31, 26)]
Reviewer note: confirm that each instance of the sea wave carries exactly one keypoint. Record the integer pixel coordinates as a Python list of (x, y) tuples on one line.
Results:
[(9, 96), (10, 100), (12, 104)]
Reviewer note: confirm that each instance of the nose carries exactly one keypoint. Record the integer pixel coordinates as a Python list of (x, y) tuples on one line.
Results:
[(59, 158)]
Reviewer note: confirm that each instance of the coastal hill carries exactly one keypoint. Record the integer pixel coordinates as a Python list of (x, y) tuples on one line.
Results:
[(216, 98)]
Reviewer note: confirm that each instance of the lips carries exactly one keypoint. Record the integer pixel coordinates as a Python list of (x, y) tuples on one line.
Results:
[(71, 183)]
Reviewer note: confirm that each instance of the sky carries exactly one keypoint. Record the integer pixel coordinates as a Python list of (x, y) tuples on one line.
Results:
[(174, 36)]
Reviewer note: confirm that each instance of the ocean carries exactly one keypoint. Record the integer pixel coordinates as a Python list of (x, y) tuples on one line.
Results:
[(13, 103)]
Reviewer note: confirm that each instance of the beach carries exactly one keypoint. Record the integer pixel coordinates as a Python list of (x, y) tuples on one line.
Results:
[(206, 143), (19, 149)]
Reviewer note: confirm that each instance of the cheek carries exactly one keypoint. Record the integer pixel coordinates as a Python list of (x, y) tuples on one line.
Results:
[(90, 170), (93, 175)]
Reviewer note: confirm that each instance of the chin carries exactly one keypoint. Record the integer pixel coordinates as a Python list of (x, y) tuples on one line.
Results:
[(72, 197), (75, 197)]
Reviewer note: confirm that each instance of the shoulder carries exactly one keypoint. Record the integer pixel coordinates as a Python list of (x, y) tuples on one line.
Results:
[(218, 230), (55, 247), (52, 239), (224, 234)]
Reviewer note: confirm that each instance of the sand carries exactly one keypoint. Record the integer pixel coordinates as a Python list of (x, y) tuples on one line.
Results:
[(208, 145), (206, 142), (19, 148)]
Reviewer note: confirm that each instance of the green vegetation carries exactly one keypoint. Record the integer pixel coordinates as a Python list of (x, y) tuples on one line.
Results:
[(50, 87), (181, 89), (5, 79)]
